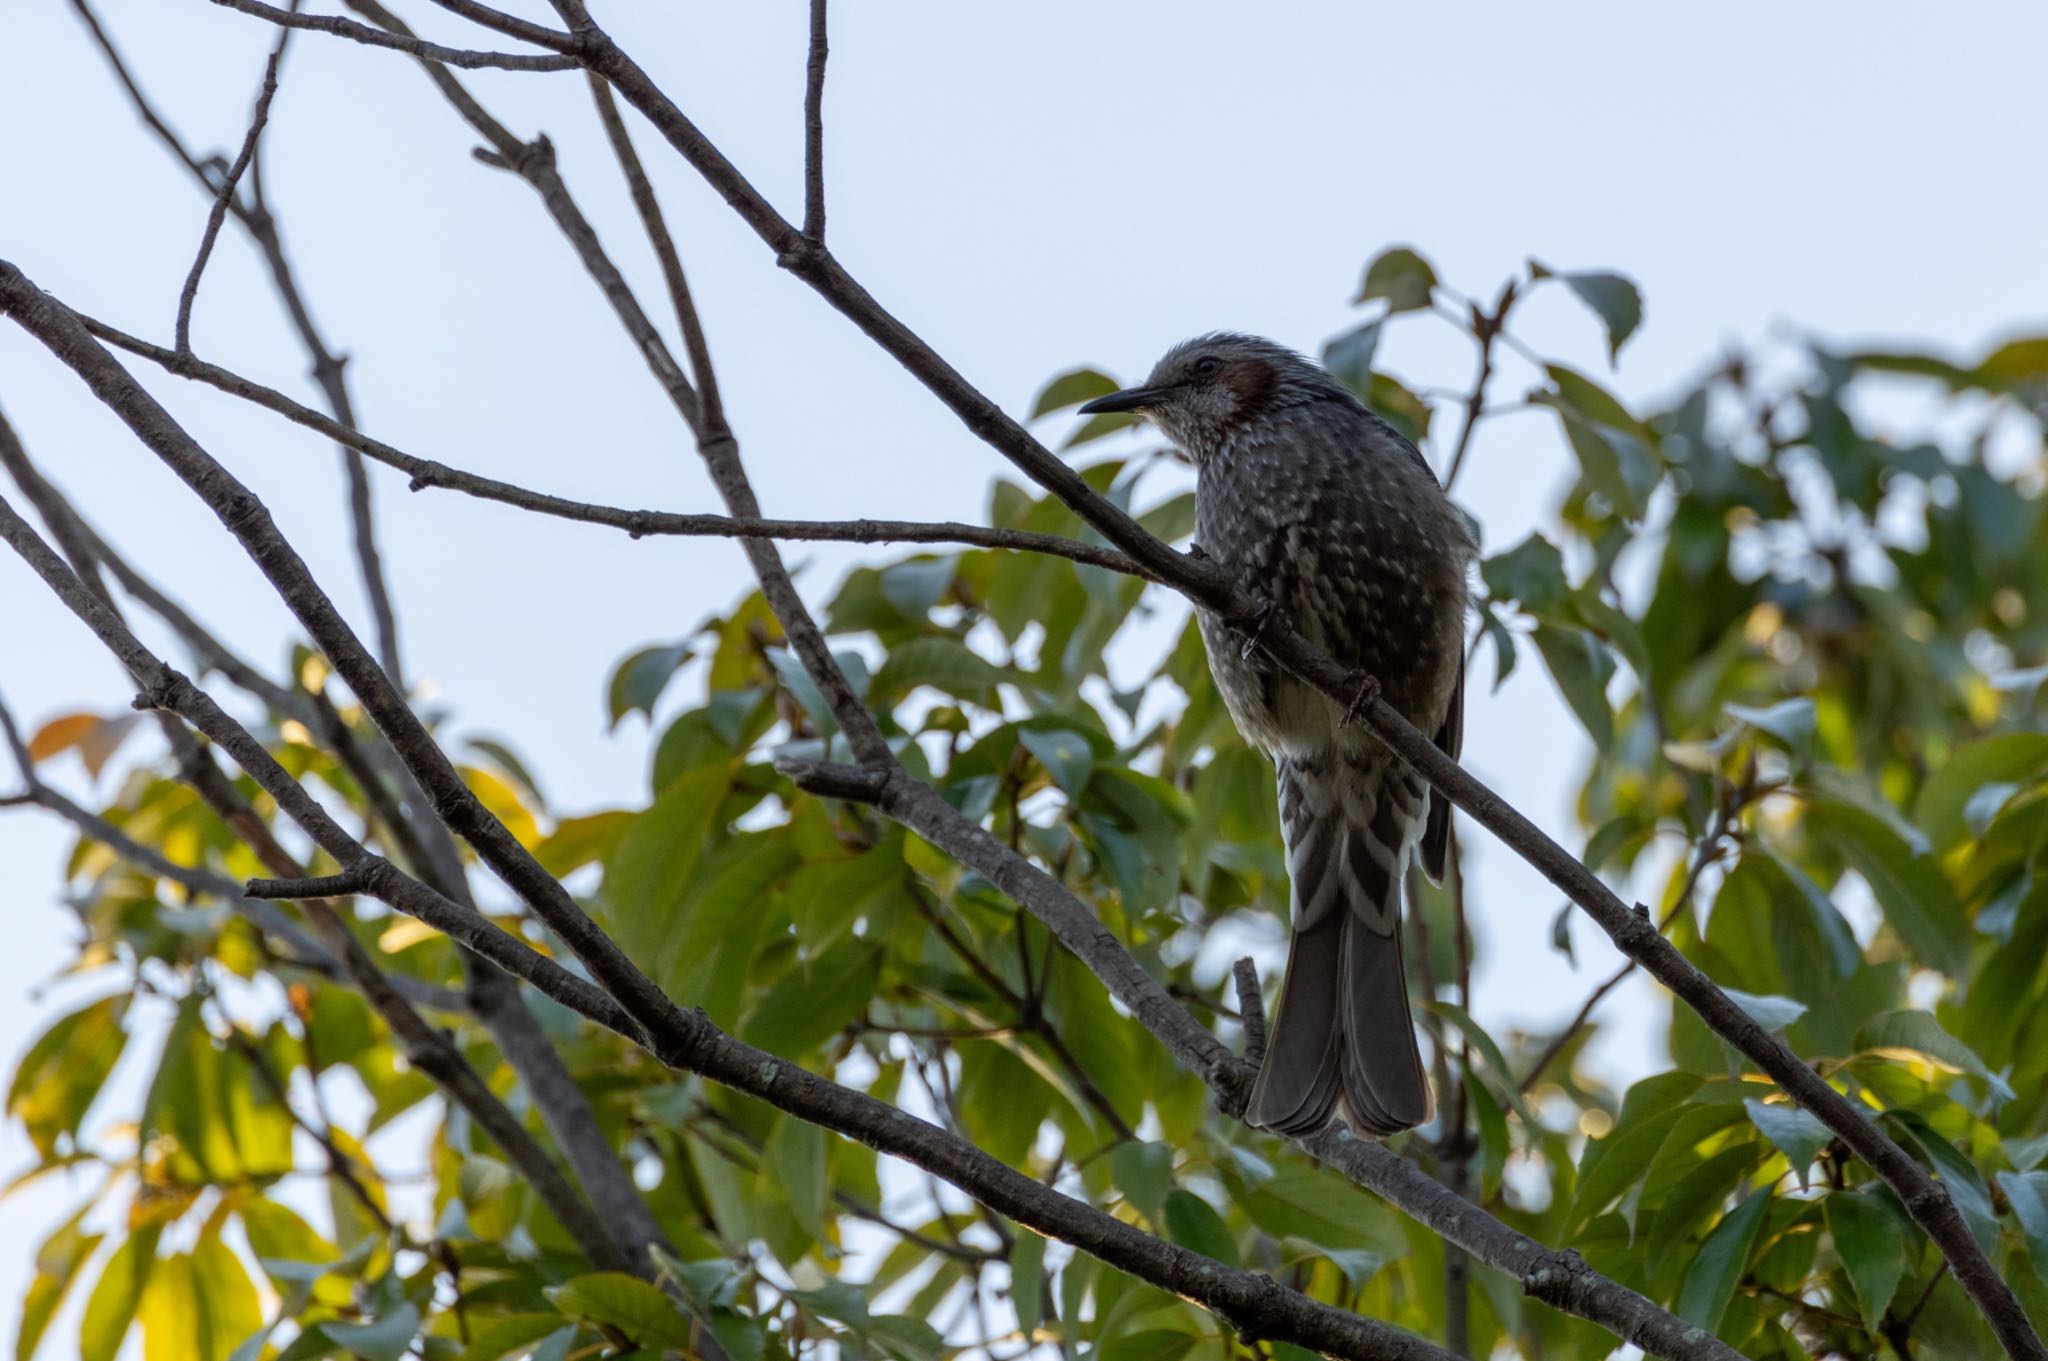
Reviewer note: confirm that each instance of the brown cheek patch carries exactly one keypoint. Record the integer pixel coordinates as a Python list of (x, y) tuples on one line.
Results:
[(1252, 380)]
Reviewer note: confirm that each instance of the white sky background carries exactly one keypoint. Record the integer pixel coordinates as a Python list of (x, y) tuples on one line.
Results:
[(1030, 187)]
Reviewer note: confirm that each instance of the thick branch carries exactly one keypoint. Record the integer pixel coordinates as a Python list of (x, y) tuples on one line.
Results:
[(1558, 1278), (1255, 1304), (1208, 586)]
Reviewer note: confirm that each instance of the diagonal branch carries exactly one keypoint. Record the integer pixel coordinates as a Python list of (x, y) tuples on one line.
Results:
[(1557, 1278), (1071, 920), (228, 184), (329, 370), (1209, 587), (429, 474), (1255, 1304), (363, 33)]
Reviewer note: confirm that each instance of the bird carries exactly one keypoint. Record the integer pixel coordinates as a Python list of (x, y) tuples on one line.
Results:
[(1335, 522)]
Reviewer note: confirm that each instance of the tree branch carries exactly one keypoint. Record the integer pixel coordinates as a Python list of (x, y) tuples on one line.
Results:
[(1256, 1305), (1559, 1279), (1210, 587), (226, 194), (329, 370), (427, 474), (814, 129), (415, 47)]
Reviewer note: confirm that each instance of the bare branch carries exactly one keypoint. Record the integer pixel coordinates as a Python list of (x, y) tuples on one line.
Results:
[(1255, 1304), (329, 369), (414, 47), (1208, 586), (427, 474), (712, 421), (226, 194), (1558, 1278), (1486, 328), (320, 886), (814, 129), (1252, 1007)]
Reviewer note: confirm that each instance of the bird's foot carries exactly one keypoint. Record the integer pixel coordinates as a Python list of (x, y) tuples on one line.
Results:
[(1261, 621), (1361, 702)]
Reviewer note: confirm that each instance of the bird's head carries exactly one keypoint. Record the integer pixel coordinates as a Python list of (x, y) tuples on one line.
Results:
[(1204, 390)]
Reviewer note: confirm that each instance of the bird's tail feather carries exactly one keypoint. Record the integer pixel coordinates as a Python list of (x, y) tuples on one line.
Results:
[(1343, 1042)]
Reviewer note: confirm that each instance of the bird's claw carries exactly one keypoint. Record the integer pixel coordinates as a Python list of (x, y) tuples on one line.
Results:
[(1256, 639), (1362, 702)]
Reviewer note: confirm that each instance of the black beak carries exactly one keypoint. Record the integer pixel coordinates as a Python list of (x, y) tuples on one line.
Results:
[(1130, 399)]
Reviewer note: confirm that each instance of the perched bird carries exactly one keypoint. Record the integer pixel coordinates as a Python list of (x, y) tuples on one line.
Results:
[(1323, 511)]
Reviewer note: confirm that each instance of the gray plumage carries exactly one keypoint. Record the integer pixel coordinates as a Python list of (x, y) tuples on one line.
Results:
[(1322, 508)]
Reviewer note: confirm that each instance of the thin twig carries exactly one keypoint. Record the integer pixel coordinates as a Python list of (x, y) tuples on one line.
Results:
[(226, 194), (1206, 584), (1486, 329), (1708, 852), (413, 47), (688, 1041), (814, 129), (429, 474)]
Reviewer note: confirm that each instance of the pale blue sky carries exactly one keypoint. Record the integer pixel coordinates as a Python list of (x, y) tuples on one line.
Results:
[(1028, 186)]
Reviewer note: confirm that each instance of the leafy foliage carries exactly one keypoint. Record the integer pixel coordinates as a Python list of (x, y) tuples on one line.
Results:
[(1807, 659)]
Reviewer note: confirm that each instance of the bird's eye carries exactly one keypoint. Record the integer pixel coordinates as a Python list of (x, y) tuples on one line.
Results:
[(1206, 366)]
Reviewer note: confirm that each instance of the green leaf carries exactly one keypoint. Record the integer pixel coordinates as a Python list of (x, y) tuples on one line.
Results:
[(1143, 1171), (946, 665), (502, 1336), (57, 1264), (1194, 1223), (1581, 667), (1071, 388), (1872, 1245), (1772, 1013), (198, 1304), (914, 586), (1349, 356), (811, 1003), (612, 1299), (391, 1336), (1027, 1279), (111, 1306), (581, 841), (650, 871), (1002, 1101), (2027, 1193), (637, 682), (1148, 1344), (1614, 298), (1790, 721), (1959, 1176), (1402, 277), (1711, 1280), (1302, 1203), (796, 1158), (2005, 759), (1100, 426), (1915, 895), (1919, 1032), (1531, 574), (64, 1069), (1066, 756), (1799, 1135)]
